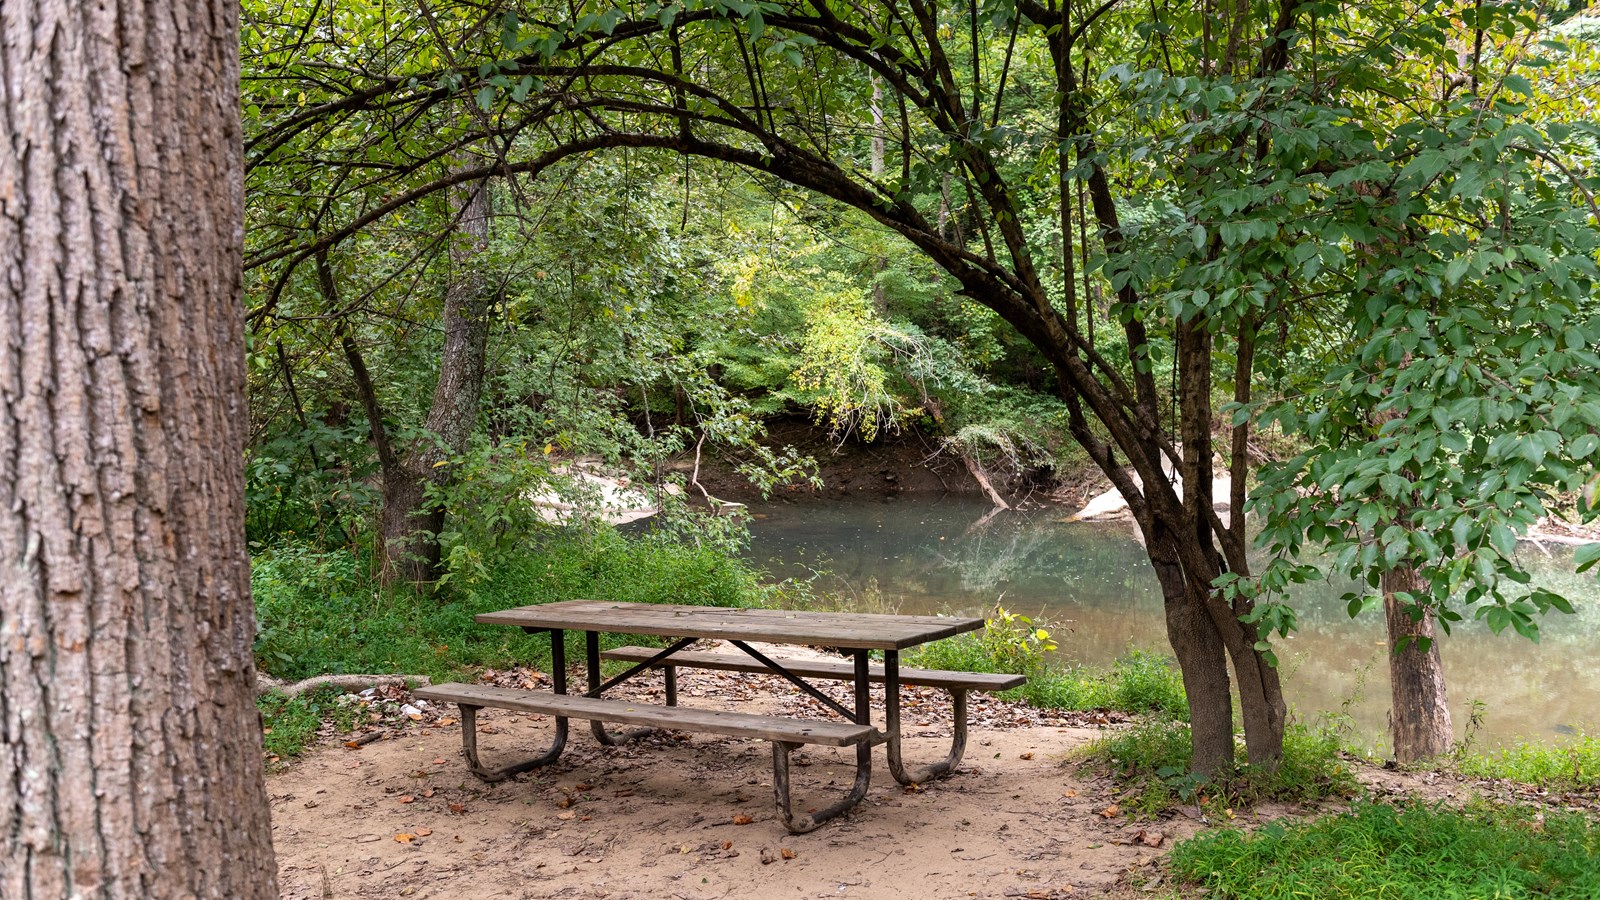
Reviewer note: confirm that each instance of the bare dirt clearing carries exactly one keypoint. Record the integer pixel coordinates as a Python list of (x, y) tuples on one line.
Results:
[(693, 815)]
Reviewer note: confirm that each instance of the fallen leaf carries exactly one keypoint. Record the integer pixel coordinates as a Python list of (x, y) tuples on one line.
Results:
[(445, 723), (408, 799), (459, 809), (352, 745), (742, 820), (564, 802), (1069, 793), (1152, 838), (583, 786), (424, 832), (569, 816), (727, 845), (438, 760), (786, 853), (1028, 755), (405, 837), (428, 792), (1111, 811)]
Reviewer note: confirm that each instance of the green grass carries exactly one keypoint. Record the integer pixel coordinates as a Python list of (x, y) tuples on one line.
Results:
[(1410, 851), (1151, 762), (321, 613), (1138, 682), (1575, 766), (292, 723)]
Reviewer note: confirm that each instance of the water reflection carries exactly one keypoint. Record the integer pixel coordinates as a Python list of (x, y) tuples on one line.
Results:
[(1094, 582)]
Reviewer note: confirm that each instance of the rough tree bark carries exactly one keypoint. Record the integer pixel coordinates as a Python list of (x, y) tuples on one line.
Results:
[(130, 747), (410, 522), (1419, 717)]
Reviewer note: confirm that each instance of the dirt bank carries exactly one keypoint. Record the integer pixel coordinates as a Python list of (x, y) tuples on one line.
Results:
[(908, 461)]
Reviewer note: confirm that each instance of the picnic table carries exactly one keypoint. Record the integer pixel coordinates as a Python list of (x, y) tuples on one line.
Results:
[(856, 634)]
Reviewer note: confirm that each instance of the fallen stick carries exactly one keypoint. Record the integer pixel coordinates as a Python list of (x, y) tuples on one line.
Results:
[(265, 683)]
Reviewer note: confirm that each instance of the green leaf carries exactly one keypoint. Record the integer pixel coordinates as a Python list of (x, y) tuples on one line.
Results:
[(1586, 556)]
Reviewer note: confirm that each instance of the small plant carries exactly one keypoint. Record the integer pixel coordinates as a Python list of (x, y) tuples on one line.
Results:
[(1151, 761), (1572, 766)]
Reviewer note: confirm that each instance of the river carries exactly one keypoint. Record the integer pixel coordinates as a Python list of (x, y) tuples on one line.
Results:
[(1093, 586)]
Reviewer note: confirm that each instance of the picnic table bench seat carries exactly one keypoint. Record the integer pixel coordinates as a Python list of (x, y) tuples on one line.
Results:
[(956, 683), (786, 734), (841, 670)]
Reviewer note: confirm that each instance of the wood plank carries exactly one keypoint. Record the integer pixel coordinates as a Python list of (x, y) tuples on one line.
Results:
[(822, 668), (797, 731), (869, 631)]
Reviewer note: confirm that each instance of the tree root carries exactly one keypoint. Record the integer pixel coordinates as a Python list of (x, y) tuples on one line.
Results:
[(266, 683)]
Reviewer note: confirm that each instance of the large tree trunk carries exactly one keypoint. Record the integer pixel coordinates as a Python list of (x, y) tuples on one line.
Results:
[(1419, 717), (130, 746)]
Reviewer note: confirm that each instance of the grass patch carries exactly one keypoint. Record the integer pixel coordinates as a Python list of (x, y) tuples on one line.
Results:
[(1151, 761), (292, 723), (321, 613), (1575, 766), (1410, 851), (1138, 682)]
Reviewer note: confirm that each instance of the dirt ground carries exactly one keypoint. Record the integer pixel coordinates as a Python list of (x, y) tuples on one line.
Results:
[(693, 816)]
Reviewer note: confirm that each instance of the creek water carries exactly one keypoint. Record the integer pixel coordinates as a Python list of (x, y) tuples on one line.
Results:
[(1092, 585)]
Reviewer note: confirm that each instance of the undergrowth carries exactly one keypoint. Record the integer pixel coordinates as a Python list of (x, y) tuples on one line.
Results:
[(1009, 643), (291, 723), (1150, 760), (320, 612), (1400, 852), (1572, 767)]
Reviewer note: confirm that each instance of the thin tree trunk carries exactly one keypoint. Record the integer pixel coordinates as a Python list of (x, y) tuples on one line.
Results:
[(130, 746), (1420, 717), (411, 521), (1202, 660)]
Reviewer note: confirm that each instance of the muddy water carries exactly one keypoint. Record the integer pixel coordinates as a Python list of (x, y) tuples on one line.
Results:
[(1093, 583)]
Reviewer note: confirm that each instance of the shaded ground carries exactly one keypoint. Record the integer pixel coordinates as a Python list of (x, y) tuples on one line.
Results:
[(693, 816)]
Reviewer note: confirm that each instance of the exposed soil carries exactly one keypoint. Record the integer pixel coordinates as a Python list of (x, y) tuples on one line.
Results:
[(693, 815), (907, 461)]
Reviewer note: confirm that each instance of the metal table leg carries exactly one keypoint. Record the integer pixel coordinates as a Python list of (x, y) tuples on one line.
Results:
[(891, 707), (591, 647), (469, 724)]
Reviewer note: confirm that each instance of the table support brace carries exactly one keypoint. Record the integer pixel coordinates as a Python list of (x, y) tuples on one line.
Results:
[(591, 646)]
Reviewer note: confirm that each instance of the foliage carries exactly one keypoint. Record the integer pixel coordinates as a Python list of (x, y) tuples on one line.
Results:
[(1008, 642), (1150, 760), (1567, 766), (320, 613), (291, 724), (1409, 851), (1453, 399), (1015, 644), (1139, 682)]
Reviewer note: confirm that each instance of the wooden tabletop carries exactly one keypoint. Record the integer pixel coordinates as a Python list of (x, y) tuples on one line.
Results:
[(869, 631)]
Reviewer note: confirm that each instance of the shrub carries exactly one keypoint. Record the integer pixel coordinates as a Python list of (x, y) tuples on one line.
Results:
[(1151, 761)]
